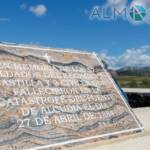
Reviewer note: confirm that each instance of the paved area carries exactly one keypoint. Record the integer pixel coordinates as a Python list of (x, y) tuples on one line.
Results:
[(136, 90)]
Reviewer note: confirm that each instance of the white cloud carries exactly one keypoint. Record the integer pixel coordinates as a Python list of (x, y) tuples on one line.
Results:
[(131, 57), (38, 10), (119, 4), (23, 6), (146, 3), (3, 19)]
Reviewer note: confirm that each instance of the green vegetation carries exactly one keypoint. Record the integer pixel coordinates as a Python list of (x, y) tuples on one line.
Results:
[(134, 81)]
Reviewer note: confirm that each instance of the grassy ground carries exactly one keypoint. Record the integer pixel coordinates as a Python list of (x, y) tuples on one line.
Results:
[(134, 81)]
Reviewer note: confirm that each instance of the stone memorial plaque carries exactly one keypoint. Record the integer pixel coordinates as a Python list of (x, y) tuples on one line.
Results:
[(56, 99)]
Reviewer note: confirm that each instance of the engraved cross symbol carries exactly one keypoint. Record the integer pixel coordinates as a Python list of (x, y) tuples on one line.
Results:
[(48, 58)]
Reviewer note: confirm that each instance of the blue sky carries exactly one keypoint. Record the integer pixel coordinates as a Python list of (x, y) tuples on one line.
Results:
[(65, 24)]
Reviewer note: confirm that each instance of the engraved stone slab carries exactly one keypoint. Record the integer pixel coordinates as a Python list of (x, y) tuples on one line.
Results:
[(56, 98)]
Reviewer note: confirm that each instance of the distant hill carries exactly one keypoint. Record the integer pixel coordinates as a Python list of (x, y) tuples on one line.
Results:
[(134, 71)]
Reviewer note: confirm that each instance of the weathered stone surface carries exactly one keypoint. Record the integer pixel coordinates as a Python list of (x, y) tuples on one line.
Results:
[(52, 98)]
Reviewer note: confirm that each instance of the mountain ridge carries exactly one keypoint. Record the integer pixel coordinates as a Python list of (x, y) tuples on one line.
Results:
[(137, 71)]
